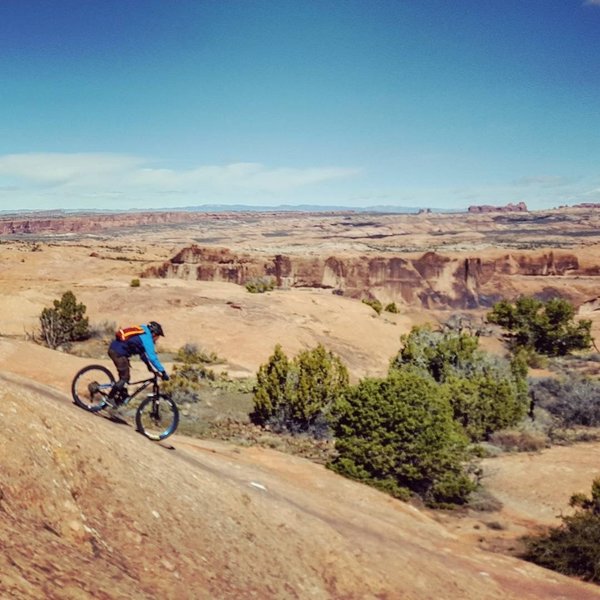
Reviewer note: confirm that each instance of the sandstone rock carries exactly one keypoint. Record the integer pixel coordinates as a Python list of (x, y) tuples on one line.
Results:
[(432, 280), (510, 207)]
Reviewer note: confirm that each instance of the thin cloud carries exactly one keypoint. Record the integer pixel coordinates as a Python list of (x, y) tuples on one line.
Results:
[(120, 172), (591, 3), (250, 176), (592, 195), (53, 169), (545, 181)]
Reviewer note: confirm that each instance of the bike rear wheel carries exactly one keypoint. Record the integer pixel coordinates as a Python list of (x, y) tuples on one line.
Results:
[(157, 417), (91, 386)]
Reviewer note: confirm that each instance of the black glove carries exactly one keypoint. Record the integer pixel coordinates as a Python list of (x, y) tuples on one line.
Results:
[(164, 376)]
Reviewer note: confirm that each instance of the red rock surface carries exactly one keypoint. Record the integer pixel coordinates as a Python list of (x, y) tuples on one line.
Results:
[(430, 280), (90, 509), (487, 208)]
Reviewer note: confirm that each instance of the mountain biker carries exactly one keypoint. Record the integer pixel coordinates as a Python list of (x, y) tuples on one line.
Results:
[(129, 341)]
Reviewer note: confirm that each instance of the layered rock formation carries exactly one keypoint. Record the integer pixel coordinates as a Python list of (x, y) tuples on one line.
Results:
[(93, 222), (510, 207), (431, 280)]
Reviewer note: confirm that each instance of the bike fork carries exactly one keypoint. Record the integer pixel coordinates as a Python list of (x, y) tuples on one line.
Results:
[(155, 412)]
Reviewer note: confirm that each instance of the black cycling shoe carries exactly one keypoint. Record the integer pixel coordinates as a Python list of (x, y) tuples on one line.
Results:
[(121, 397), (117, 398)]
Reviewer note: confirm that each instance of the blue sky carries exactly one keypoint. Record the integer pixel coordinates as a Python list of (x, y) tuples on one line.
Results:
[(116, 104)]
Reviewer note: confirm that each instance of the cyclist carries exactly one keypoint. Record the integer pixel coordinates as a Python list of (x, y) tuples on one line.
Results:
[(129, 341)]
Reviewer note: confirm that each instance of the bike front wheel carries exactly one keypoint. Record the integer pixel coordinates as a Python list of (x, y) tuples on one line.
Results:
[(157, 417), (91, 386)]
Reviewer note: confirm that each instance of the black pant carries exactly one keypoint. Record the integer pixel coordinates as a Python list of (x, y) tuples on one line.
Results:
[(123, 368)]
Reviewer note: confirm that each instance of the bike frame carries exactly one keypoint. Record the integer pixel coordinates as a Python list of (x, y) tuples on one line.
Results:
[(145, 384)]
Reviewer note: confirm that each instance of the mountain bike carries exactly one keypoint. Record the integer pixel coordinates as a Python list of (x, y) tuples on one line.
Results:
[(156, 414)]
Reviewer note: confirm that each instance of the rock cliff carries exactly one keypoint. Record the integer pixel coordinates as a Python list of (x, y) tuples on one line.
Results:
[(510, 207), (431, 280), (93, 222)]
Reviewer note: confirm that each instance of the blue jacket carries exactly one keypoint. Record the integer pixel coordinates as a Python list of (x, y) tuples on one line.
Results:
[(142, 345)]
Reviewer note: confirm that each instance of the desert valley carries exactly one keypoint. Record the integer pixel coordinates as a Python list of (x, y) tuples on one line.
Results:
[(91, 509)]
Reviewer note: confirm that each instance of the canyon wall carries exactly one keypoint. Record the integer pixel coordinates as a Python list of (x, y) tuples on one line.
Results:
[(431, 280), (94, 222)]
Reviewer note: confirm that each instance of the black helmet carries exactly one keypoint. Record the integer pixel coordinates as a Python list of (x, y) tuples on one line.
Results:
[(156, 328)]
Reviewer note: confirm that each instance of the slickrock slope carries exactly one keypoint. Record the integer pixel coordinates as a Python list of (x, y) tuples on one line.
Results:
[(90, 509)]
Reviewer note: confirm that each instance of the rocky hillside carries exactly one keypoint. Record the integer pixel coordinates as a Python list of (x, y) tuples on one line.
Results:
[(430, 280), (90, 509)]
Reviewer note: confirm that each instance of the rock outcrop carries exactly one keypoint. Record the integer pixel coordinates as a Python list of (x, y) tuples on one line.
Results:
[(510, 207), (431, 280)]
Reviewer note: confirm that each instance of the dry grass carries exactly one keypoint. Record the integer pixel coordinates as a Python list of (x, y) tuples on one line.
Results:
[(520, 440)]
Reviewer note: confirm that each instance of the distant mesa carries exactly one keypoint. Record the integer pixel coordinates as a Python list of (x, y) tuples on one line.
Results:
[(487, 208), (584, 205), (53, 223)]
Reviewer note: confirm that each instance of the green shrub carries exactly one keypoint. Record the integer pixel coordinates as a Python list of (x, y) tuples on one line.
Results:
[(548, 328), (374, 304), (190, 353), (486, 392), (260, 285), (573, 548), (271, 391), (318, 378), (189, 374), (298, 395), (64, 322), (398, 434), (532, 358), (573, 400), (135, 283), (391, 308)]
